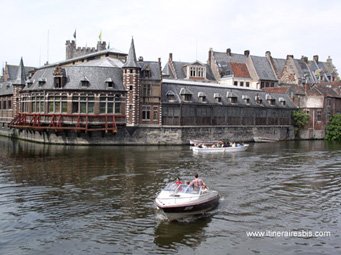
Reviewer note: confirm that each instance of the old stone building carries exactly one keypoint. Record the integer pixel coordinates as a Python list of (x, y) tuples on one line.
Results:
[(189, 101), (105, 90)]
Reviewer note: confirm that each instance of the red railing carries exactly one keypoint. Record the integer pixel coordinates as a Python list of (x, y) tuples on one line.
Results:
[(73, 122)]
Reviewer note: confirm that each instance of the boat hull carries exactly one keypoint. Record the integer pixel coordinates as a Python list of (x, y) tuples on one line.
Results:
[(181, 210), (220, 149)]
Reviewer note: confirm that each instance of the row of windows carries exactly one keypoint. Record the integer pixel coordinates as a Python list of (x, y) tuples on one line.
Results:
[(241, 83), (79, 104), (218, 99), (266, 84), (148, 112), (6, 104), (197, 71), (59, 82)]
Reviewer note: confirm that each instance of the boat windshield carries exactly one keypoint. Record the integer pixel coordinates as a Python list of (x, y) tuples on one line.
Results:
[(182, 188)]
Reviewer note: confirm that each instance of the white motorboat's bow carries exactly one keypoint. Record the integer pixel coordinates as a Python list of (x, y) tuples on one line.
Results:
[(178, 201)]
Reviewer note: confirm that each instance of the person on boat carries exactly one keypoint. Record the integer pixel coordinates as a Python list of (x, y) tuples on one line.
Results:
[(190, 188), (178, 181), (197, 183)]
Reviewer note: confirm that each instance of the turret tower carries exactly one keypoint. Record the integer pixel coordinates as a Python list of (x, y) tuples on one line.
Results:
[(131, 81), (18, 85)]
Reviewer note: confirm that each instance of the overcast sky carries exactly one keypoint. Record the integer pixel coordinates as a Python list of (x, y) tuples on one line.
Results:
[(37, 29)]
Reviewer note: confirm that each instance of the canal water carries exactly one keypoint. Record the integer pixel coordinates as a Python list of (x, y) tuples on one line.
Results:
[(100, 200)]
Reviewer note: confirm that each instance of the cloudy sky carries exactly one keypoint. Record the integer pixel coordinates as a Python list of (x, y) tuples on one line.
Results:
[(37, 29)]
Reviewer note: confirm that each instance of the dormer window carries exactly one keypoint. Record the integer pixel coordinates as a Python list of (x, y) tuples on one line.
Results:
[(109, 82), (246, 99), (41, 81), (231, 97), (282, 101), (217, 97), (270, 100), (196, 71), (185, 94), (146, 73), (170, 96), (258, 99), (29, 83), (59, 78), (85, 82), (202, 97)]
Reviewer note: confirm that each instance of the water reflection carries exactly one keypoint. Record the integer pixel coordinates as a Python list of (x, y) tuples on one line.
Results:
[(187, 232), (89, 200)]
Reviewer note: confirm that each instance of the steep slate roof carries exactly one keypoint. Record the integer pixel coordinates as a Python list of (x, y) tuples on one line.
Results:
[(154, 68), (240, 70), (263, 68), (235, 58), (180, 68), (6, 88), (103, 62), (96, 76), (223, 61), (303, 71), (13, 71), (327, 90), (278, 65), (211, 91)]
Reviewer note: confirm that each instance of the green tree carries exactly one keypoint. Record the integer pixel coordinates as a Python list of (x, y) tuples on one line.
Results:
[(333, 130), (300, 118)]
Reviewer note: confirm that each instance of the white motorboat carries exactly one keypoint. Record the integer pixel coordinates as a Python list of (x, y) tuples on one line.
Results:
[(220, 148), (180, 201)]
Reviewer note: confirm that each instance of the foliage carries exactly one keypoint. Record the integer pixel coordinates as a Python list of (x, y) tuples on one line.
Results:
[(300, 118), (333, 130)]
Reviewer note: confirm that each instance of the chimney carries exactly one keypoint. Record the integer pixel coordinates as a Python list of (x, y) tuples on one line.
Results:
[(170, 59), (316, 58), (329, 60), (290, 56), (228, 52), (210, 53), (247, 53), (140, 58), (304, 59)]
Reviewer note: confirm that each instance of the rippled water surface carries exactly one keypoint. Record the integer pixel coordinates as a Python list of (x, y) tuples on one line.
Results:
[(100, 200)]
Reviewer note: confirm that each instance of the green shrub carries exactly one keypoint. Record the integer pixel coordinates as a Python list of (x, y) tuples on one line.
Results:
[(333, 129), (300, 118)]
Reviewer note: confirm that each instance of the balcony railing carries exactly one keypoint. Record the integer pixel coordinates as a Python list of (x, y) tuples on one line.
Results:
[(64, 122)]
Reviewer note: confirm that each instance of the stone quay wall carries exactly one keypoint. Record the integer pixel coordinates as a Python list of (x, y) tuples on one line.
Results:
[(162, 135)]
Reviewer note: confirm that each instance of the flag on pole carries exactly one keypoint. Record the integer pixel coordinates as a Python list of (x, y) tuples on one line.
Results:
[(74, 34), (100, 36)]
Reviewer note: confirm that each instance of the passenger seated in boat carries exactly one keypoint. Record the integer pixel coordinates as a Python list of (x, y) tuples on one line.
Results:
[(197, 183), (178, 181), (190, 188)]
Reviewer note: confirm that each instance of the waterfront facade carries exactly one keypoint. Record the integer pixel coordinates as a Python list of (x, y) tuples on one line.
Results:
[(106, 91)]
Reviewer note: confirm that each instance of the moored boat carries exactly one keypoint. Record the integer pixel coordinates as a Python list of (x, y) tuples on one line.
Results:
[(220, 148), (179, 201), (263, 139)]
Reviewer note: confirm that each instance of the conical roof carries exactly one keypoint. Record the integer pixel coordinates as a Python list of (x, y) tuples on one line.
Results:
[(131, 60), (21, 76)]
